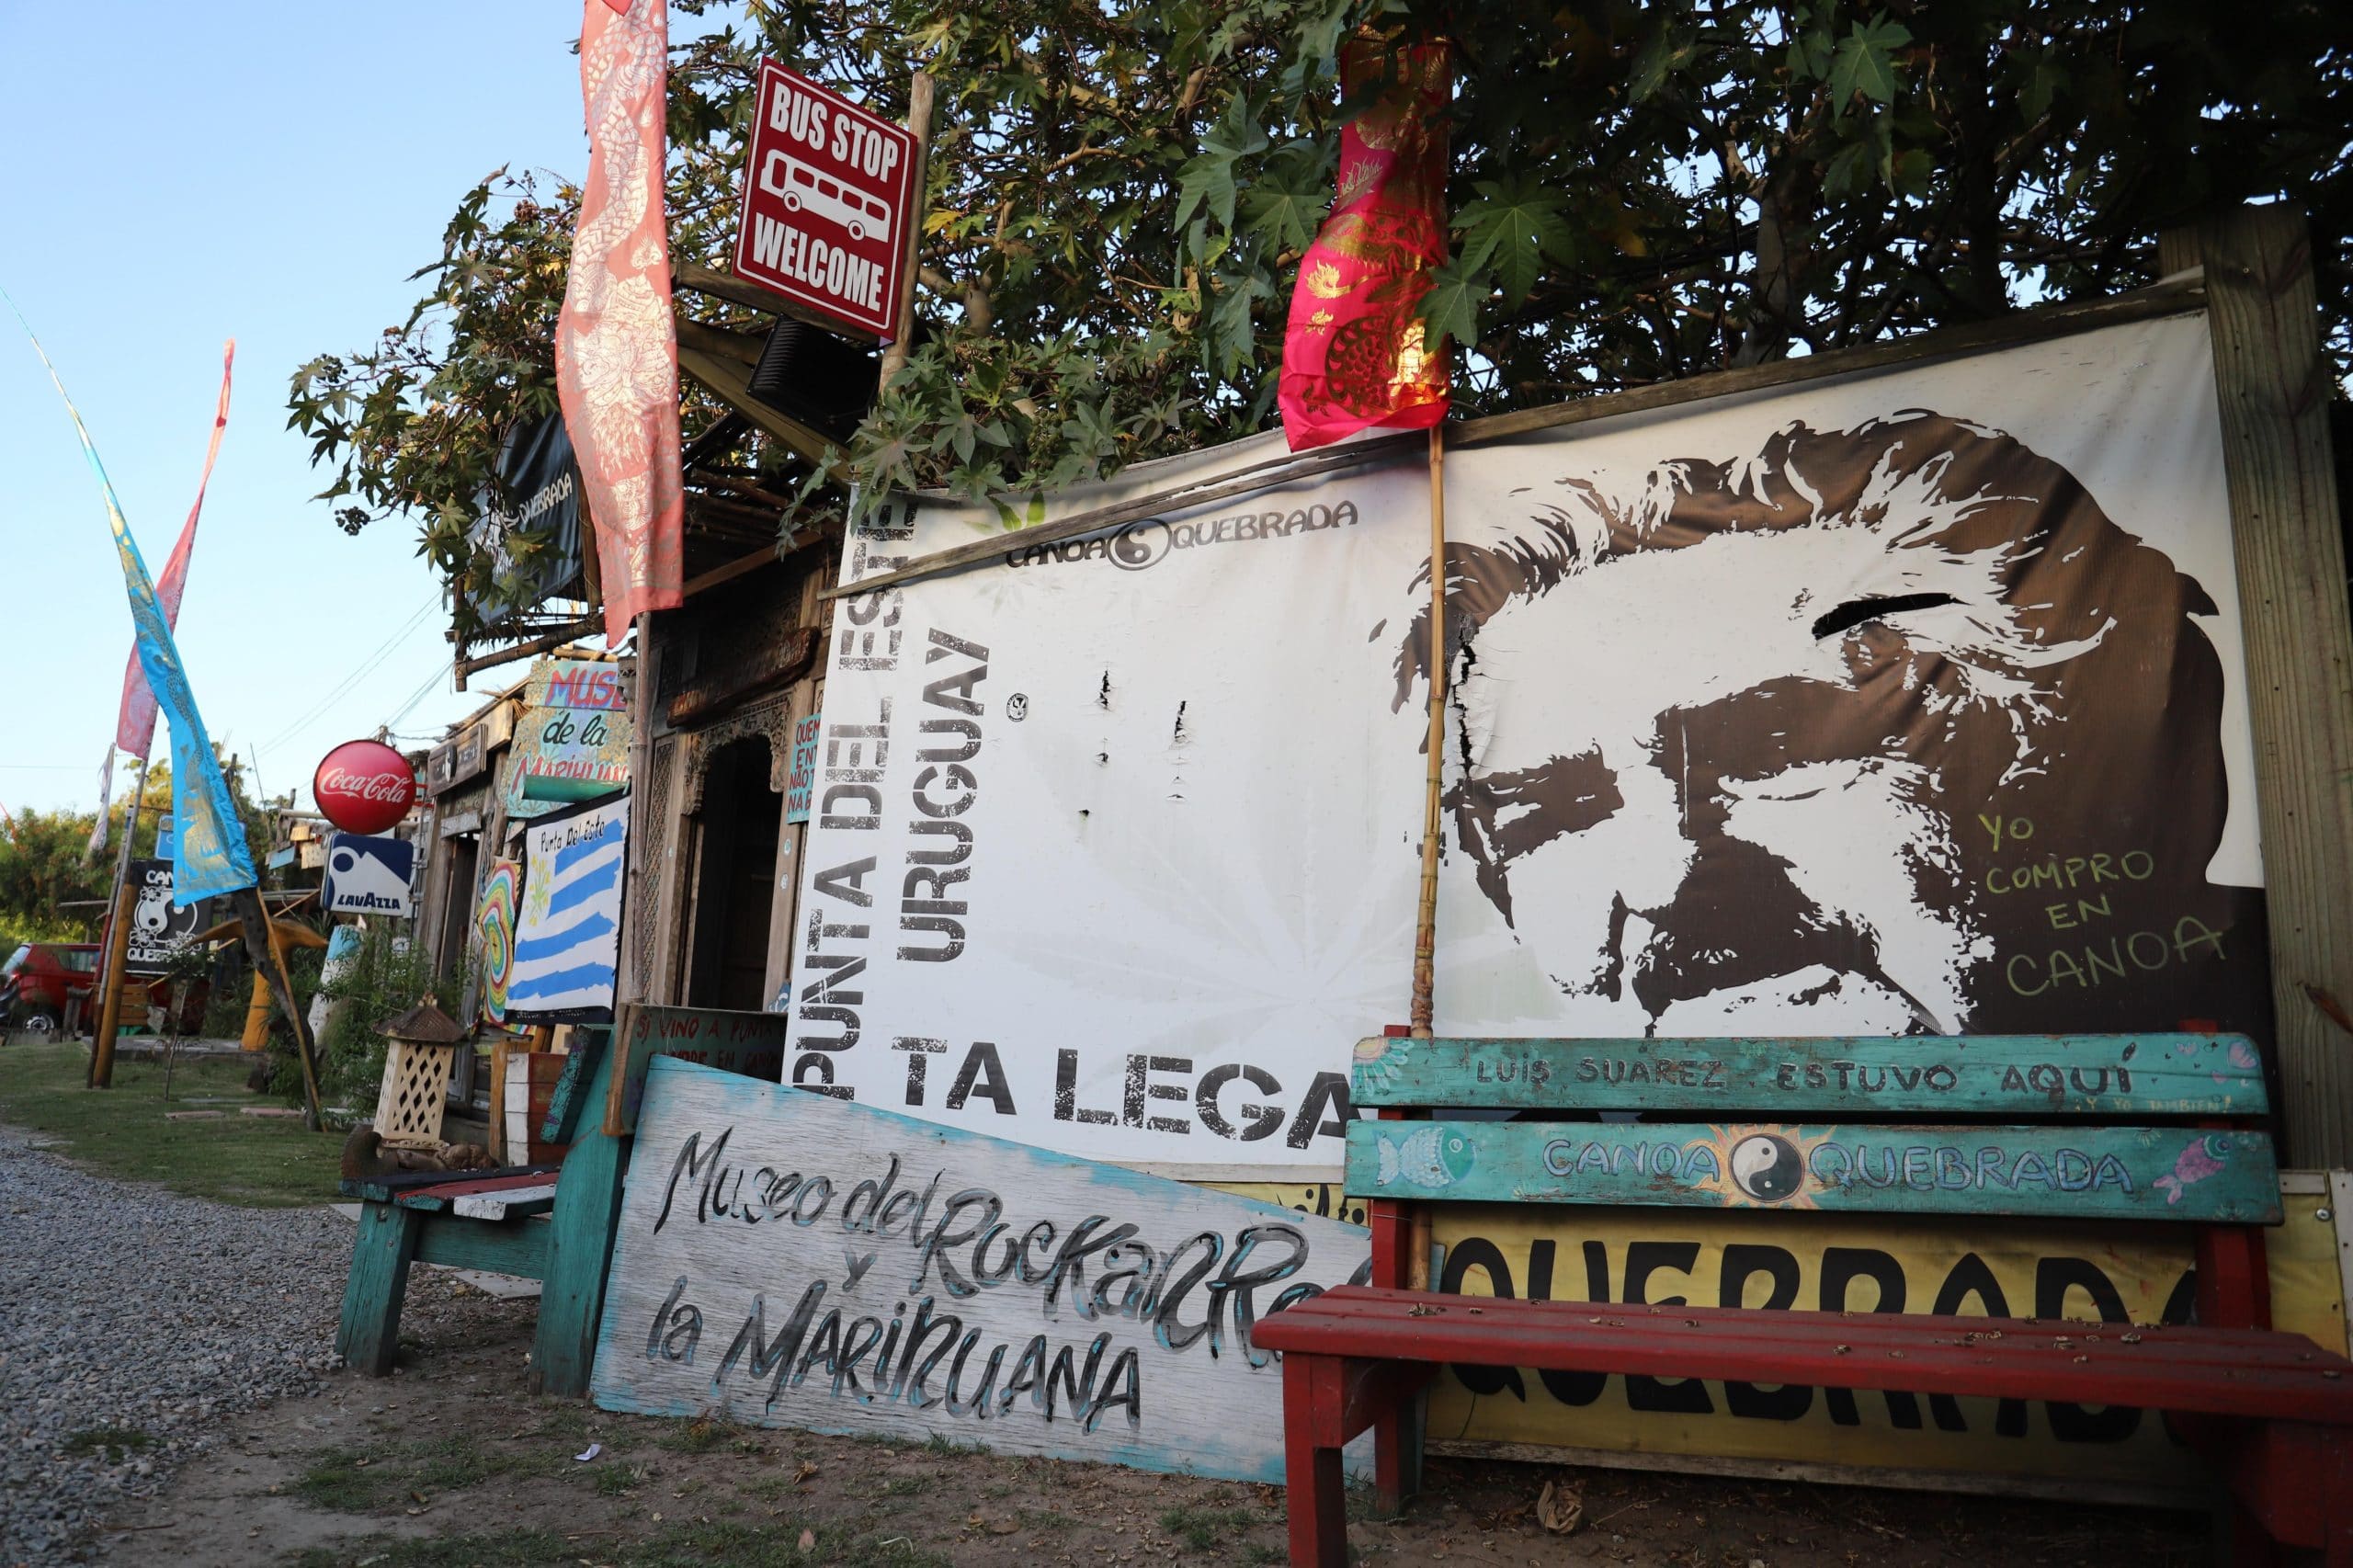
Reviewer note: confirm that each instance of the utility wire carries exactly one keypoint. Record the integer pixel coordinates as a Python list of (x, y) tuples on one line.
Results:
[(414, 697), (406, 629)]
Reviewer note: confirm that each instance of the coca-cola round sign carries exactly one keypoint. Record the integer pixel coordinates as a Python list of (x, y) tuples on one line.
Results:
[(364, 786)]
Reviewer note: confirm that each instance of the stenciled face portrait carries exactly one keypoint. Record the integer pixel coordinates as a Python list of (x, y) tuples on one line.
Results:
[(1883, 730)]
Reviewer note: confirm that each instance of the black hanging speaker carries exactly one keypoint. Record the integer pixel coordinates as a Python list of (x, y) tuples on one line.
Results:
[(824, 381)]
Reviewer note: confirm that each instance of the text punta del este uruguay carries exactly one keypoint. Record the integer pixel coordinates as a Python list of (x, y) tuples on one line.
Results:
[(851, 895), (1203, 1292)]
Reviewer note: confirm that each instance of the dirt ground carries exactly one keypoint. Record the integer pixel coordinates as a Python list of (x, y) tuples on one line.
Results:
[(450, 1464)]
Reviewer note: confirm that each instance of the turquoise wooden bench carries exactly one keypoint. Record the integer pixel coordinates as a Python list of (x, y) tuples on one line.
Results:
[(2155, 1128), (551, 1224)]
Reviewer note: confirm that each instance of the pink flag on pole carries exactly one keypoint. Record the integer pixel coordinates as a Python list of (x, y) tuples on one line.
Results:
[(134, 727), (616, 349)]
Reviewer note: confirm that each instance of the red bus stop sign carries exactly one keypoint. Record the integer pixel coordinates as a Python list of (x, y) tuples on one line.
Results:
[(827, 195)]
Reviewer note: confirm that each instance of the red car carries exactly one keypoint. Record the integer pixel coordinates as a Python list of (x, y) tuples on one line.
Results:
[(40, 977)]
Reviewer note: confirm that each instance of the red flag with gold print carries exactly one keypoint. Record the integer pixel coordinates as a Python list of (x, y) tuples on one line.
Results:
[(1353, 353)]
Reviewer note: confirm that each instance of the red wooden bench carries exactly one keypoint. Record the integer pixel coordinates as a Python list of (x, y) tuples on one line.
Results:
[(2271, 1412)]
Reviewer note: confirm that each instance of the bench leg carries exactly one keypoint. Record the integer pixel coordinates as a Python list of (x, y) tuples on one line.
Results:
[(580, 1245), (1314, 1431), (380, 1254), (1397, 1449), (2333, 1463), (2238, 1537)]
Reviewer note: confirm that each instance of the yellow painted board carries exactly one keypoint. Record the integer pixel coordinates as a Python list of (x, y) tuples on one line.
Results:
[(1810, 1261)]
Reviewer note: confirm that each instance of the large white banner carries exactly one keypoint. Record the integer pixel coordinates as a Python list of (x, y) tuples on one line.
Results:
[(1908, 702)]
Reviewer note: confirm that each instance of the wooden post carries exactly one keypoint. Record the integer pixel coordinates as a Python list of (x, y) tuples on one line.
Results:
[(263, 947), (919, 99), (1418, 1235), (1434, 771), (2273, 387), (110, 1005), (631, 981), (118, 942)]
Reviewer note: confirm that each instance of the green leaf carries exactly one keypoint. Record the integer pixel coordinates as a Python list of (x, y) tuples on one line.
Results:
[(1285, 203), (1865, 62), (1913, 172), (1450, 309), (1810, 56), (1850, 172), (1514, 228), (2041, 85), (1207, 181), (1660, 55)]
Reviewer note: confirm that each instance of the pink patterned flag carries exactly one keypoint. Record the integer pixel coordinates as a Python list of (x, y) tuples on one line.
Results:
[(1353, 354), (134, 727), (616, 349)]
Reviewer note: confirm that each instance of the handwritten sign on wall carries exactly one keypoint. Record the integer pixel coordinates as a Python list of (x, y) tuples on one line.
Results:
[(574, 740), (567, 938), (2075, 1172), (751, 1044), (786, 1258)]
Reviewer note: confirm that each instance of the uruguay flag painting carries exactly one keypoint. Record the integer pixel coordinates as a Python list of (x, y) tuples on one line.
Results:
[(567, 938)]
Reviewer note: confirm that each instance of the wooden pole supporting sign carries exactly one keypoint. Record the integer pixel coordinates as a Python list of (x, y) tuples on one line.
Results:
[(2271, 385), (268, 955), (118, 944), (1434, 770)]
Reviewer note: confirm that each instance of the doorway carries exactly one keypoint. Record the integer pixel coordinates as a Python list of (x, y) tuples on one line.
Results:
[(461, 855), (741, 823)]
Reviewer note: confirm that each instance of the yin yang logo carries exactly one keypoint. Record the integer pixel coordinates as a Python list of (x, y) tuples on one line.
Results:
[(1766, 1167)]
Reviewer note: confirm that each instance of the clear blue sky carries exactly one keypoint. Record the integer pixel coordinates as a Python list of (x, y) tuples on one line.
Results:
[(178, 175)]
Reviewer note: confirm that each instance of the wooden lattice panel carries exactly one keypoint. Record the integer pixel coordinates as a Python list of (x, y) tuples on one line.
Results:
[(650, 824), (416, 1083)]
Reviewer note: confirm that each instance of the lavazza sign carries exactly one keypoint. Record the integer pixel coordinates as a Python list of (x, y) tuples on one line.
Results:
[(827, 195)]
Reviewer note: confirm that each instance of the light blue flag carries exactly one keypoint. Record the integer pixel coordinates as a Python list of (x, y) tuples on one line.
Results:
[(209, 853)]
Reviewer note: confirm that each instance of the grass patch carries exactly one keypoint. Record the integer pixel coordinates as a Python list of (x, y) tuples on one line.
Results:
[(112, 1444), (359, 1481), (699, 1546), (705, 1436), (260, 1162), (1203, 1528), (612, 1479)]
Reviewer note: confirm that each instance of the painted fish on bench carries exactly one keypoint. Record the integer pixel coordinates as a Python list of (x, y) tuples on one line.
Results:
[(2174, 1173), (1427, 1157)]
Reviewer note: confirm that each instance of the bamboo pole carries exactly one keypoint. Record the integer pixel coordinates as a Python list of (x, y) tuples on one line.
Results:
[(1419, 1237), (118, 944), (1434, 773)]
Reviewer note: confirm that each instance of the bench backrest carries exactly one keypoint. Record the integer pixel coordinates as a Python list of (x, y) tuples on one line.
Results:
[(749, 1043), (2143, 1127)]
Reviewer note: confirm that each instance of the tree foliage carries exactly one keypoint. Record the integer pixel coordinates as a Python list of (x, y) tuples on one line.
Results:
[(45, 865), (1120, 192), (413, 425), (43, 869)]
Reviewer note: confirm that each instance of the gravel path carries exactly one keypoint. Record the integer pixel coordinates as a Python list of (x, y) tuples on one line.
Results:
[(126, 1306)]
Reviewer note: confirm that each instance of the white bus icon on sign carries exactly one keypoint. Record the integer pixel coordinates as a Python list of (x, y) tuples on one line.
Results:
[(800, 188)]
